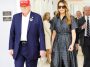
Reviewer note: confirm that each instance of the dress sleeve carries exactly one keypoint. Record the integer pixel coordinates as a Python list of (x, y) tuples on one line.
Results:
[(73, 23), (53, 24)]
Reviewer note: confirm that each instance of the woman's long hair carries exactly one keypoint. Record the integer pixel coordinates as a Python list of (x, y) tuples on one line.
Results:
[(67, 13), (45, 16)]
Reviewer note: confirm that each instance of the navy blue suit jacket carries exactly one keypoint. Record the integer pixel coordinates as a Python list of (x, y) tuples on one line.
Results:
[(35, 35)]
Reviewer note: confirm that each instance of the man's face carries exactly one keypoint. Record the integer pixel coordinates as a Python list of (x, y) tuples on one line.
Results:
[(87, 11), (78, 13), (25, 9), (25, 6)]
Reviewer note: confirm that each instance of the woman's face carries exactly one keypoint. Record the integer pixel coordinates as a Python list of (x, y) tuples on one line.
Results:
[(61, 8)]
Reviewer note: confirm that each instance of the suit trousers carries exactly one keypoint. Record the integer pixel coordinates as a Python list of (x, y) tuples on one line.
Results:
[(86, 52), (22, 57)]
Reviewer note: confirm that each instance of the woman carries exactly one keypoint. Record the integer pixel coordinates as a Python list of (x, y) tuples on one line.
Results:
[(63, 38), (47, 30)]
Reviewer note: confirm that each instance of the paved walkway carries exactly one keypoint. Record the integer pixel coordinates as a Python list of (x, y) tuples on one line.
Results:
[(79, 57)]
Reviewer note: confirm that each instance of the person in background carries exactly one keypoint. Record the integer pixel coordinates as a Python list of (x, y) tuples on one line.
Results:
[(78, 16), (47, 31), (85, 36), (77, 42), (55, 13), (26, 42), (63, 37)]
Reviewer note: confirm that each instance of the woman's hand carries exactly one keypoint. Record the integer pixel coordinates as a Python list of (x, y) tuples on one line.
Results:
[(70, 48)]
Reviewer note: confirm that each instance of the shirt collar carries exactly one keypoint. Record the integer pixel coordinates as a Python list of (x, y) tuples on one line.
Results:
[(62, 18), (86, 17), (28, 14)]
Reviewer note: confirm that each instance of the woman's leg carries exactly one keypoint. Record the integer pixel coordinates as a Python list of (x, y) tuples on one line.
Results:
[(65, 59), (55, 61)]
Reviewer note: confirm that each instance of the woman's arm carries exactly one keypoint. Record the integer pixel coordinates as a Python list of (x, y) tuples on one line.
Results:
[(73, 40), (73, 37), (53, 36)]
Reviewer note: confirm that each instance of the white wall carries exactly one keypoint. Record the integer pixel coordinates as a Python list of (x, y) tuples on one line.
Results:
[(5, 59)]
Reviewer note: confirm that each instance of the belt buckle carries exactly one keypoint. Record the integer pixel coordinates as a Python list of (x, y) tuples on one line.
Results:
[(23, 43)]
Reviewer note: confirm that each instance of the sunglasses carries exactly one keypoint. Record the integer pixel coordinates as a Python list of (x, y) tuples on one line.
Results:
[(63, 7)]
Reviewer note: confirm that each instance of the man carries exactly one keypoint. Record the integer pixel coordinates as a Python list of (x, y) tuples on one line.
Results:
[(78, 16), (26, 37), (85, 28)]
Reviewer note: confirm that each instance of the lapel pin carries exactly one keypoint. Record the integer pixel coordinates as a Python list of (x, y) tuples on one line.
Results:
[(31, 19)]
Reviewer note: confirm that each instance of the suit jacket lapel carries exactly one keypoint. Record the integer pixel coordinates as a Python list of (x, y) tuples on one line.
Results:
[(30, 21), (20, 22)]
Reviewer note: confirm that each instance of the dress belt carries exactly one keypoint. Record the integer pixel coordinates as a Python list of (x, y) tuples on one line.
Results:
[(23, 43)]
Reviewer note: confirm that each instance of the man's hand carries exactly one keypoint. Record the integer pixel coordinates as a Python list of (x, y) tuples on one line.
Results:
[(77, 46), (11, 52), (84, 26), (42, 53)]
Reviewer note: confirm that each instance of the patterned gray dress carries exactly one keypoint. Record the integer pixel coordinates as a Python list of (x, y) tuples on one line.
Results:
[(61, 57)]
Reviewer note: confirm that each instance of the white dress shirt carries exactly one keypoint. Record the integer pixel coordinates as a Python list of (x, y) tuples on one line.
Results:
[(86, 25), (24, 27)]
